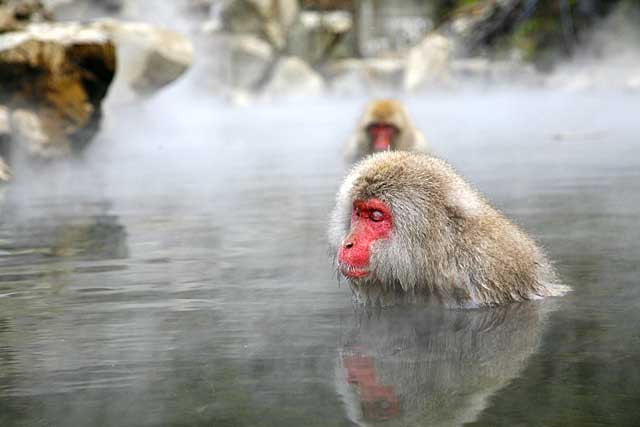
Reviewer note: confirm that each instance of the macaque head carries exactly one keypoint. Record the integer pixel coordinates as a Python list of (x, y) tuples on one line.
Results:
[(371, 221), (396, 222), (383, 123), (379, 221)]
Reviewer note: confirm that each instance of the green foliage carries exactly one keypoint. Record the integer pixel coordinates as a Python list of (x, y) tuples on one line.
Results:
[(553, 29), (533, 35)]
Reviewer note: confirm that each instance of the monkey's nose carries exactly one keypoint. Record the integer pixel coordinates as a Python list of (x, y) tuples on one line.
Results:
[(348, 245)]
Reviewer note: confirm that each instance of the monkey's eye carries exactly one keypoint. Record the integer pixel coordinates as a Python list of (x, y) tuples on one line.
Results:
[(376, 216)]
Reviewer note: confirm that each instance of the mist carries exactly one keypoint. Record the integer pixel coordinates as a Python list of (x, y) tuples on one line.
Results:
[(175, 272)]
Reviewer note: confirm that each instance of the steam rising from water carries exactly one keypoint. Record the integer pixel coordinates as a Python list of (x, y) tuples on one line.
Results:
[(609, 58), (185, 145), (223, 303), (179, 147)]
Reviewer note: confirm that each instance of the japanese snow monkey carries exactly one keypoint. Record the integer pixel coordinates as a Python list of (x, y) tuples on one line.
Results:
[(385, 126), (407, 229)]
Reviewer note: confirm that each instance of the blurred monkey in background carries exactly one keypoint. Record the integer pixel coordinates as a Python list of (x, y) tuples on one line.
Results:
[(385, 126)]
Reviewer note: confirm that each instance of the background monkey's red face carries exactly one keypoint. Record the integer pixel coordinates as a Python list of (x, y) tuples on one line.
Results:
[(382, 136), (371, 220)]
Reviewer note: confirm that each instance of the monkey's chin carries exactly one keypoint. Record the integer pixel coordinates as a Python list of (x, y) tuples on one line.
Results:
[(354, 272)]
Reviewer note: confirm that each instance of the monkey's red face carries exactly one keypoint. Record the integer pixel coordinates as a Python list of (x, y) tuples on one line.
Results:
[(371, 221), (382, 136)]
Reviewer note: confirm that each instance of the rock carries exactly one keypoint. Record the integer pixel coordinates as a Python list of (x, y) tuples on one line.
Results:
[(269, 19), (279, 16), (347, 77), (337, 22), (84, 10), (479, 24), (217, 12), (482, 70), (358, 76), (292, 76), (149, 57), (200, 7), (241, 17), (38, 136), (428, 63), (321, 36), (329, 4), (385, 73), (242, 62), (57, 76), (15, 15), (211, 26), (390, 28)]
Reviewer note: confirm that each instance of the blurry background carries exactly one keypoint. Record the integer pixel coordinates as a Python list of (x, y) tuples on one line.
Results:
[(168, 169), (62, 62)]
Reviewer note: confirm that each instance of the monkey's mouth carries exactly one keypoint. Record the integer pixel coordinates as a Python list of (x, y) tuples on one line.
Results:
[(382, 136), (353, 271)]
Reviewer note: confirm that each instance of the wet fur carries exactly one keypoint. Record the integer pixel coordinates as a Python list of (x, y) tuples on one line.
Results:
[(447, 244)]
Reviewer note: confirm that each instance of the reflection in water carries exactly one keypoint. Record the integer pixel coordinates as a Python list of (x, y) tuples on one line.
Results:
[(432, 366), (225, 311), (54, 246), (91, 237)]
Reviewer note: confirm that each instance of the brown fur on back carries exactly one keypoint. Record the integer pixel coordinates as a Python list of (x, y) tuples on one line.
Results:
[(448, 243)]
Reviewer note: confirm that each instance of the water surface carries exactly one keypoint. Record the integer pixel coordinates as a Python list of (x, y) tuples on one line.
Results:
[(178, 274)]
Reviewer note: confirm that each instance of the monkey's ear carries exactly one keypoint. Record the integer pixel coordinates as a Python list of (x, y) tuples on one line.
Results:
[(462, 203)]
